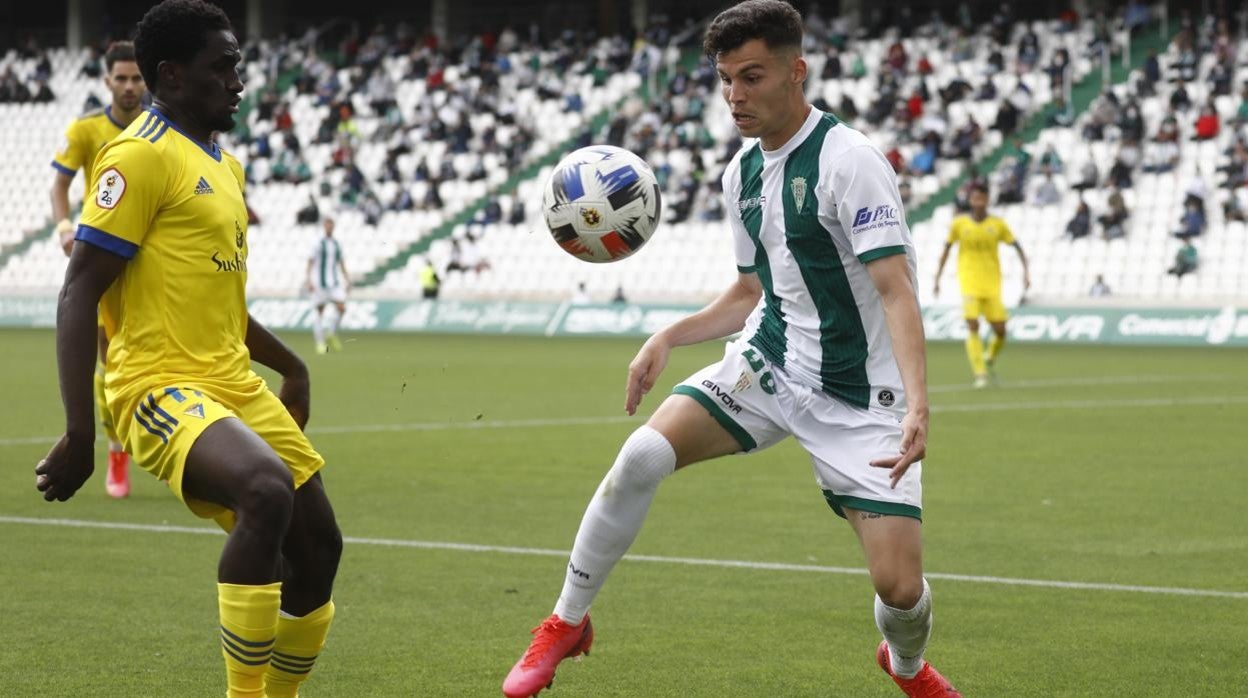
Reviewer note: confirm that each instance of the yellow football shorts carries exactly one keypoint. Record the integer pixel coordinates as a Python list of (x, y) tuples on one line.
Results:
[(990, 307), (160, 427)]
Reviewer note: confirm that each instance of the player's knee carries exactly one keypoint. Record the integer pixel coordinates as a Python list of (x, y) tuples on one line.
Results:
[(899, 591), (645, 459), (267, 499)]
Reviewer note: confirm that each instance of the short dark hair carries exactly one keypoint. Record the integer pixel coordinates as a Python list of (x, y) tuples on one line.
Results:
[(118, 52), (175, 30), (978, 186), (776, 22)]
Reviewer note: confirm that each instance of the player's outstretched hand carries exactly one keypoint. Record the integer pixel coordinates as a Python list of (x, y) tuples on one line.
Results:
[(296, 395), (644, 370), (66, 467), (913, 447)]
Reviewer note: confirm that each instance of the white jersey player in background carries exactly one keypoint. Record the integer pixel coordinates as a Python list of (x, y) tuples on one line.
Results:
[(327, 282), (832, 353)]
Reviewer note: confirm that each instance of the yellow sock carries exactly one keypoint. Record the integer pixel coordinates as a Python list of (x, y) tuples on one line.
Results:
[(248, 628), (299, 641), (994, 346), (975, 352)]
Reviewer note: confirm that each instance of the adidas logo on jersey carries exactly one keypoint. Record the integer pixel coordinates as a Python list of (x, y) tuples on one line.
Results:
[(203, 187)]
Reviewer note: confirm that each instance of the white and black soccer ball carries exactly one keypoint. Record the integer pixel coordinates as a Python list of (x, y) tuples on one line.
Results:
[(602, 203)]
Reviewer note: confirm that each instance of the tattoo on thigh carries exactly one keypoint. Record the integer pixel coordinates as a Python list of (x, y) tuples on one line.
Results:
[(869, 515)]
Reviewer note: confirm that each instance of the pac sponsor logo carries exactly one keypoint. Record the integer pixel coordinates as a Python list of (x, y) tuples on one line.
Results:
[(110, 188), (869, 218)]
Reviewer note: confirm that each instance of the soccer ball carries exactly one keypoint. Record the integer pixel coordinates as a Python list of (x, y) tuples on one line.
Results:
[(602, 203)]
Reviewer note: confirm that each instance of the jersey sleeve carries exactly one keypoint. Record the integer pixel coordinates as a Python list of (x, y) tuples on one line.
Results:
[(119, 207), (955, 231), (868, 205), (72, 154), (742, 245), (1007, 235)]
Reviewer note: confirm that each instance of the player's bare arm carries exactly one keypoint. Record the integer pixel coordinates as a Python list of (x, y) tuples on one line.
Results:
[(296, 390), (940, 267), (891, 276), (60, 210), (1022, 257), (70, 462), (722, 317)]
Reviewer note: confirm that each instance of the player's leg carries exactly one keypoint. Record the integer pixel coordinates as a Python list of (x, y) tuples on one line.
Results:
[(230, 466), (340, 309), (117, 479), (689, 427), (310, 555), (972, 309), (996, 316), (842, 440), (318, 325)]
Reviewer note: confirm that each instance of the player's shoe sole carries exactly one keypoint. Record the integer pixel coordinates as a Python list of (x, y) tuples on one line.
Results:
[(553, 642), (322, 348), (928, 683), (981, 382)]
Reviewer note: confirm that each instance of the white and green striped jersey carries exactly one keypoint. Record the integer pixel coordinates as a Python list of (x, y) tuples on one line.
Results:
[(326, 268), (807, 218)]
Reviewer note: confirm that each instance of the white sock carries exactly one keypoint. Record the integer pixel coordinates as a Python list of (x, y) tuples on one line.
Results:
[(906, 632), (318, 329), (613, 518), (333, 328)]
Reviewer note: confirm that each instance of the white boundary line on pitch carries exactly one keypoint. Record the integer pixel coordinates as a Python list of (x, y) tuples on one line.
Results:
[(1085, 381), (585, 421), (694, 561)]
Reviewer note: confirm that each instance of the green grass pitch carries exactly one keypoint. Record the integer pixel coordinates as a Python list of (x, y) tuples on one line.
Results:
[(1098, 465)]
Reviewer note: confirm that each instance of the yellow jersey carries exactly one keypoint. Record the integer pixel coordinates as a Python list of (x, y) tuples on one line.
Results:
[(83, 140), (174, 208), (979, 266)]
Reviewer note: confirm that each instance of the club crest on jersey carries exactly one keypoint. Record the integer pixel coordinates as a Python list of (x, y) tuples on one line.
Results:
[(743, 382), (238, 235), (196, 410), (798, 186), (886, 398), (110, 188)]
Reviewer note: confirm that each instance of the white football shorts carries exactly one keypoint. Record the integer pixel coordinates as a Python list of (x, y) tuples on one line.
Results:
[(760, 405), (321, 296)]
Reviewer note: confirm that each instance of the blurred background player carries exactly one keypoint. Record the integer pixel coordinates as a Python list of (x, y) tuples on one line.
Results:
[(163, 239), (832, 353), (83, 140), (977, 236), (328, 282)]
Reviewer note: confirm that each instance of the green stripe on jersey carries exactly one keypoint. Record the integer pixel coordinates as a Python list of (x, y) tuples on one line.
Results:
[(842, 340), (872, 255), (769, 338)]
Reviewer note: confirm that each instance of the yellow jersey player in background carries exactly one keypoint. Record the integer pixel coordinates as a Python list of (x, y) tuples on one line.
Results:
[(163, 240), (979, 274), (83, 140)]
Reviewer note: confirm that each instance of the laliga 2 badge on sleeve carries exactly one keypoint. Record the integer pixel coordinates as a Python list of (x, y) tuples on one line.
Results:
[(110, 188)]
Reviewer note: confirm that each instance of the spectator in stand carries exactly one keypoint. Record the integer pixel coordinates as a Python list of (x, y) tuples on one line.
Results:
[(1179, 99), (1241, 114), (1050, 160), (1207, 124), (1081, 224), (1185, 260), (1233, 209), (1237, 169), (1090, 175), (91, 65), (1113, 221), (1007, 119), (1192, 222), (1047, 192), (1099, 289)]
